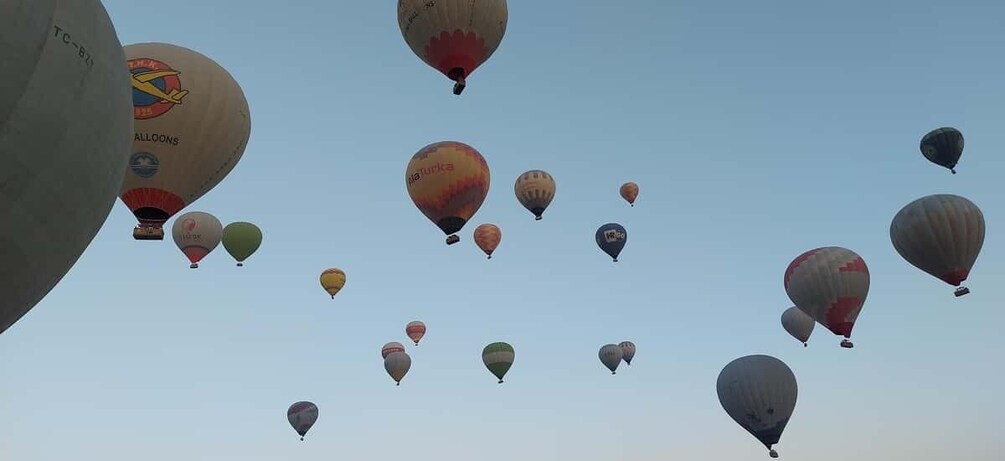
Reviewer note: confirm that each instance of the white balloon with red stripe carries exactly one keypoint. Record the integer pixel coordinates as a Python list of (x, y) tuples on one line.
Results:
[(830, 284), (197, 233), (415, 331)]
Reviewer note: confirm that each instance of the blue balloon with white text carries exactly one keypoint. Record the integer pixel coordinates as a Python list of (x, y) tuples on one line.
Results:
[(611, 238)]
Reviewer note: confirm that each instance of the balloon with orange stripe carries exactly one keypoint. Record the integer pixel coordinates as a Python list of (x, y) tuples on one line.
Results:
[(487, 237), (448, 182)]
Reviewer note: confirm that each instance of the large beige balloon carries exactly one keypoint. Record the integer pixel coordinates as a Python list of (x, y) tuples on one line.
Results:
[(65, 129), (192, 125)]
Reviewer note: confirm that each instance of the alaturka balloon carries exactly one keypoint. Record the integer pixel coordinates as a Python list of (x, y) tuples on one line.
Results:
[(448, 182), (65, 130), (192, 125)]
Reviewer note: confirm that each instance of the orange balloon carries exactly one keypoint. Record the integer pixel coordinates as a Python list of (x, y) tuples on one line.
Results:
[(487, 237), (629, 192), (448, 182)]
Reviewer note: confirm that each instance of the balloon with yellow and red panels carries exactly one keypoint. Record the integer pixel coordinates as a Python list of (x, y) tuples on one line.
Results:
[(629, 191), (487, 237), (448, 182), (830, 285), (454, 37)]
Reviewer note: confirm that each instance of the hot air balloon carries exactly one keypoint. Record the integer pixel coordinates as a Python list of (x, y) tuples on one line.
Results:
[(629, 191), (332, 280), (941, 235), (798, 324), (759, 393), (453, 36), (610, 356), (390, 348), (943, 147), (830, 285), (302, 416), (415, 331), (611, 238), (627, 351), (397, 364), (192, 125), (448, 181), (535, 190), (65, 131), (498, 358), (197, 233), (241, 240), (487, 237)]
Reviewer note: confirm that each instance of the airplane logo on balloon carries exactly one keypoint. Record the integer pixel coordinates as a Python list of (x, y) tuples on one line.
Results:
[(156, 88)]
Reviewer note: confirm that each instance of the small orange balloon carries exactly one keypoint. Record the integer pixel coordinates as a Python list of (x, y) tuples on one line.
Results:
[(629, 192), (487, 237)]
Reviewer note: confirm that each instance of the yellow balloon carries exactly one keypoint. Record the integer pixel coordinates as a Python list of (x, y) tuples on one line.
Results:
[(192, 125), (332, 280)]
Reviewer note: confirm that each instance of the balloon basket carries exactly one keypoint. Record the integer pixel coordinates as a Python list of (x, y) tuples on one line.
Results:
[(846, 344), (537, 218), (193, 266), (459, 87), (148, 233), (961, 291), (453, 239), (240, 264), (773, 454)]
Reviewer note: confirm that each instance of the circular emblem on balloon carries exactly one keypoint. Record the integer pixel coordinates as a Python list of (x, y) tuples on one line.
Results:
[(156, 88), (144, 164)]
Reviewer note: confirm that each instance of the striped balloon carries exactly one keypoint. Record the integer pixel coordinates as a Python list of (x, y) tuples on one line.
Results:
[(941, 235), (390, 347), (628, 351), (415, 331), (943, 147), (829, 284), (535, 189), (487, 237), (498, 358)]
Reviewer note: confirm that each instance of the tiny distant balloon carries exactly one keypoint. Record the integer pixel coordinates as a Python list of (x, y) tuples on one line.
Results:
[(943, 147), (487, 237), (798, 324), (197, 233), (391, 347), (302, 416), (759, 393), (332, 280), (611, 238), (498, 358), (241, 240), (628, 351), (415, 331), (830, 285), (454, 37), (942, 235), (629, 191), (397, 365), (535, 189), (610, 356)]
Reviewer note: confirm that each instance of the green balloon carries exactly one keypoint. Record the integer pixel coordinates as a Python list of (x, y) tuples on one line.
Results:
[(498, 358), (241, 239)]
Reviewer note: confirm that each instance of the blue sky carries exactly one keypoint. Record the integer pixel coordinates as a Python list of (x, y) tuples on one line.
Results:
[(756, 132)]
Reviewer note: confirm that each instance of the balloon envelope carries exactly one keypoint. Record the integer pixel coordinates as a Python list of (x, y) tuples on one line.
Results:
[(498, 358), (627, 351), (610, 356), (192, 126), (302, 416), (197, 233), (65, 131), (487, 237), (759, 393), (415, 331), (453, 36), (535, 189), (241, 240), (390, 348), (943, 147), (611, 238), (397, 364), (798, 324), (829, 284), (332, 280), (629, 191), (448, 182), (940, 234)]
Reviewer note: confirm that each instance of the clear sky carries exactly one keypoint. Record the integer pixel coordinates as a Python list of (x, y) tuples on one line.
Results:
[(756, 132)]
